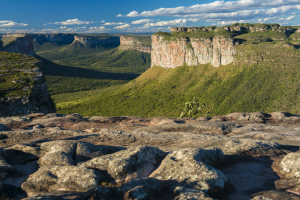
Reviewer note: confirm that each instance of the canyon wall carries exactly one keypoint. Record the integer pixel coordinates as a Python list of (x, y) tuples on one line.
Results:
[(94, 40), (55, 37), (18, 43), (191, 51), (133, 43)]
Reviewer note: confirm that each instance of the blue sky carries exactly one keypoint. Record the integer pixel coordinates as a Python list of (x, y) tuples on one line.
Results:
[(99, 16)]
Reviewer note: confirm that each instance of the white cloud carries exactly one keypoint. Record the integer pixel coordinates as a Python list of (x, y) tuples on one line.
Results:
[(290, 18), (223, 23), (119, 15), (176, 22), (62, 27), (72, 22), (216, 7), (142, 21), (113, 23), (102, 21), (125, 26), (7, 23), (133, 14), (286, 19)]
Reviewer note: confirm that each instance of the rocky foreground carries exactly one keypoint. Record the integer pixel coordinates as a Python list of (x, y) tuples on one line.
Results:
[(237, 156)]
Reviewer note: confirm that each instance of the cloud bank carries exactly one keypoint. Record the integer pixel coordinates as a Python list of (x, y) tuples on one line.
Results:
[(8, 23), (72, 22)]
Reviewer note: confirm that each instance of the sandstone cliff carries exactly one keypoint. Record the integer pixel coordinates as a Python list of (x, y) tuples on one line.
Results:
[(135, 43), (18, 43), (22, 86), (102, 40), (191, 51), (57, 37)]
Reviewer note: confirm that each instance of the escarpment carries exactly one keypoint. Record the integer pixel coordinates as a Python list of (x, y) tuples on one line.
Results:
[(18, 43), (191, 51), (142, 44), (22, 86), (236, 43), (108, 40)]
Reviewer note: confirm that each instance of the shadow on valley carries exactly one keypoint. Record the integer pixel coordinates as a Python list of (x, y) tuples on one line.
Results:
[(53, 69)]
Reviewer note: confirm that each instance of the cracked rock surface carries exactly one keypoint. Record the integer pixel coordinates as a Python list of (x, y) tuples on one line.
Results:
[(236, 156)]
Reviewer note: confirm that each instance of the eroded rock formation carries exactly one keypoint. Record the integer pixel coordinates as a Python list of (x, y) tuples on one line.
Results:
[(132, 43), (18, 43), (93, 40), (191, 51), (236, 156)]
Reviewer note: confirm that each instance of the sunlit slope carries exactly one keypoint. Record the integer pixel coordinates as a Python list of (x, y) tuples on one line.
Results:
[(163, 92)]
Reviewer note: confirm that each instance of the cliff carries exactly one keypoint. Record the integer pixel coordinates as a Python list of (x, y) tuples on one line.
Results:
[(191, 51), (135, 43), (18, 43), (22, 86), (103, 40), (57, 37)]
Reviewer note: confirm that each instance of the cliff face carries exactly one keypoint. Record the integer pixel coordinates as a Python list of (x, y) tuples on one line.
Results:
[(59, 37), (174, 53), (95, 40), (132, 43), (18, 43), (22, 86)]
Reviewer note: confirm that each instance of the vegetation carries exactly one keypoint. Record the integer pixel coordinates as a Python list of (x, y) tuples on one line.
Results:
[(195, 34), (192, 108), (14, 82), (79, 69)]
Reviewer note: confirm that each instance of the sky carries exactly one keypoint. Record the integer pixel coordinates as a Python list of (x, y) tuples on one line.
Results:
[(138, 16)]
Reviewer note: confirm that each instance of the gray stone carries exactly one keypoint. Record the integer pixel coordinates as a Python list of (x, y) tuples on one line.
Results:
[(126, 165), (56, 158), (190, 194), (189, 168), (61, 178), (290, 165)]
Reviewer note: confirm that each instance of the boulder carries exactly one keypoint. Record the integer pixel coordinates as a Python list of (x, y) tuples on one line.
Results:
[(190, 194), (68, 152), (190, 167), (130, 164), (290, 165), (86, 151), (51, 178), (56, 158)]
